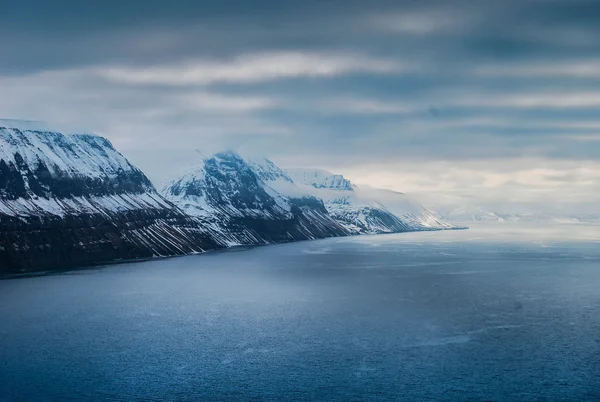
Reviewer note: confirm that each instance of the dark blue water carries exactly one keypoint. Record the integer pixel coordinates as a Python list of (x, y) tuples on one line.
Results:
[(430, 316)]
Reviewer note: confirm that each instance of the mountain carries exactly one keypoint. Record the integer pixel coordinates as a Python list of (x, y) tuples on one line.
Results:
[(462, 214), (321, 179), (364, 209), (72, 199), (253, 201), (232, 198)]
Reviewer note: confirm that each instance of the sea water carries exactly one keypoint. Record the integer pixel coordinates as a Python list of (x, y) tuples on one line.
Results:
[(506, 313)]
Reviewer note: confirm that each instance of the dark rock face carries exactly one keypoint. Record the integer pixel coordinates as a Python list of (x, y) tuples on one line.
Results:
[(73, 200), (311, 213), (57, 243), (20, 181), (230, 185), (58, 166)]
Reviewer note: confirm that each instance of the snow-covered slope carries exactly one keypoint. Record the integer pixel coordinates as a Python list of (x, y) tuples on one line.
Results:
[(231, 196), (319, 178), (365, 209), (405, 208), (72, 199)]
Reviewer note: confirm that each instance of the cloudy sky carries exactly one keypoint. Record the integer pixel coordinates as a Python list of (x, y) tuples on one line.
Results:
[(461, 102)]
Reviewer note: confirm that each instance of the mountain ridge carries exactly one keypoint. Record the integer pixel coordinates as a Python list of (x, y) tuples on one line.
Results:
[(343, 201), (71, 200), (362, 208), (228, 195)]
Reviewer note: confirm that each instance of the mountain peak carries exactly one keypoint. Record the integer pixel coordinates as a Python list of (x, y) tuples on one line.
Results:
[(319, 178), (227, 155), (267, 171)]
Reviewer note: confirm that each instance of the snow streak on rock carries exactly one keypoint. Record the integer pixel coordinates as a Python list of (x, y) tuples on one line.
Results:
[(232, 198), (253, 201), (70, 200)]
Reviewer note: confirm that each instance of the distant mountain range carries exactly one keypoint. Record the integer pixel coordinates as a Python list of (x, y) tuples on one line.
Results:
[(68, 200), (466, 215)]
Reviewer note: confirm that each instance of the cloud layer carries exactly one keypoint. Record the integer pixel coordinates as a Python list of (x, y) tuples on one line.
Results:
[(468, 88)]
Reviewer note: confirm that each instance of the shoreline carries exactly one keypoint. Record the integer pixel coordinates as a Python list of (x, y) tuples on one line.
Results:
[(236, 248)]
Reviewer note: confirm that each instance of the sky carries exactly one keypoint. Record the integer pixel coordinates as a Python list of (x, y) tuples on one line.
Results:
[(480, 103)]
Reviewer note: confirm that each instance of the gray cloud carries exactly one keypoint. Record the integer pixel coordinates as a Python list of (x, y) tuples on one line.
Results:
[(333, 83)]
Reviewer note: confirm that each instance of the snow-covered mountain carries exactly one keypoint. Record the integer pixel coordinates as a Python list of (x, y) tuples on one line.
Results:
[(236, 196), (69, 200), (72, 199), (320, 179), (365, 209), (231, 197)]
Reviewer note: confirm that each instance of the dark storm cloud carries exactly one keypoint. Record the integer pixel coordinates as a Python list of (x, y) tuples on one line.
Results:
[(75, 32), (68, 33)]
